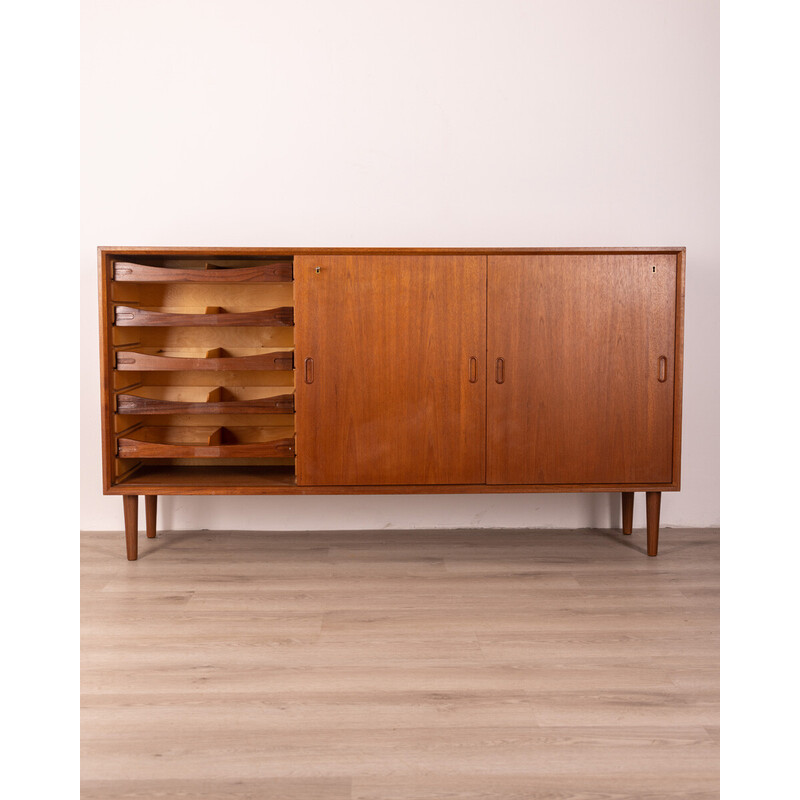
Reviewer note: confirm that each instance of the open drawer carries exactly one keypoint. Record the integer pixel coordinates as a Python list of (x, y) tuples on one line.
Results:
[(193, 358), (211, 316), (140, 399), (204, 272), (206, 441)]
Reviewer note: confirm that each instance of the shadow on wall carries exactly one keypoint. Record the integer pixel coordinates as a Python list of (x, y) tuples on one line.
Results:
[(401, 512)]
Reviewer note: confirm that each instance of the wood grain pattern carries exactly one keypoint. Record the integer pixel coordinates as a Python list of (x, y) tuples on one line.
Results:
[(627, 512), (278, 271), (391, 339), (272, 317), (132, 360), (215, 253), (680, 302), (107, 359), (399, 665), (412, 429), (274, 404), (150, 512), (148, 479), (196, 297), (653, 501), (206, 442), (581, 338), (130, 506)]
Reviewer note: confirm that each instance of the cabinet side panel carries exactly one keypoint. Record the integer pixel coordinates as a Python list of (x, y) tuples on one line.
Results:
[(106, 369), (393, 391), (680, 292)]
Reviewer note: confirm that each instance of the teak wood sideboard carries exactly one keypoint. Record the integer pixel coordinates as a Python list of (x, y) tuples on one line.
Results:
[(383, 371)]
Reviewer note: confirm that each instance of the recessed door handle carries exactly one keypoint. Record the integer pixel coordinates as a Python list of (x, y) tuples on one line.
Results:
[(662, 369), (309, 365), (473, 369), (500, 370)]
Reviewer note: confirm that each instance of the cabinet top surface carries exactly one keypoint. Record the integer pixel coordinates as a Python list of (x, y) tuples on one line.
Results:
[(289, 251)]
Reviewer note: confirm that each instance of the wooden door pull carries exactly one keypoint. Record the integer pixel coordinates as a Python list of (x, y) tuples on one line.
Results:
[(473, 369), (500, 371), (662, 369), (309, 365)]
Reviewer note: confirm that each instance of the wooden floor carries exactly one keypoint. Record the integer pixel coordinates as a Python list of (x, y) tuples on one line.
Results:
[(391, 665)]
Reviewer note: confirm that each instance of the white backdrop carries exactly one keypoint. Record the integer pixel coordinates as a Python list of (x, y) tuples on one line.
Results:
[(432, 123)]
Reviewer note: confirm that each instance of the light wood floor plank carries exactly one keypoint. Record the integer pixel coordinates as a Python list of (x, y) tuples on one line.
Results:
[(392, 665), (233, 789), (631, 786)]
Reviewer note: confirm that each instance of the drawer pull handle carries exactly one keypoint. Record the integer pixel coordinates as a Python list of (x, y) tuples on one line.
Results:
[(500, 371), (662, 369), (473, 369), (309, 364)]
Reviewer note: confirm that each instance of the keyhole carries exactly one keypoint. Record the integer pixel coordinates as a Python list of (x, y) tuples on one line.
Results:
[(654, 267)]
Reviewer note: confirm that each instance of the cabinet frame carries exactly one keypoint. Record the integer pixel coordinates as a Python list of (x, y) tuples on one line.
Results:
[(152, 481)]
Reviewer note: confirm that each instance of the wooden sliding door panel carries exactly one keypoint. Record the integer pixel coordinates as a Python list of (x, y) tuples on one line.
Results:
[(583, 390), (390, 369)]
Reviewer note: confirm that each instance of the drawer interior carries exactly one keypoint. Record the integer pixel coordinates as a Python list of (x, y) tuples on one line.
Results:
[(203, 368)]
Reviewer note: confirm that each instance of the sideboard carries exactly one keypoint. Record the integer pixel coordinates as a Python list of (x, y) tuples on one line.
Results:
[(383, 371)]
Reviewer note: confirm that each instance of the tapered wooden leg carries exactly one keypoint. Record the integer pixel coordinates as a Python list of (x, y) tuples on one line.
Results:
[(627, 513), (130, 504), (653, 514), (150, 505)]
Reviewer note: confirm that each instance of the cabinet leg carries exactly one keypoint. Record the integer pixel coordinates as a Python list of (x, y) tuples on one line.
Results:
[(130, 505), (150, 505), (653, 514), (627, 513)]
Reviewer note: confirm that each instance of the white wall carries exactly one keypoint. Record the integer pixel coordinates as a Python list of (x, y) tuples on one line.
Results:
[(409, 123)]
